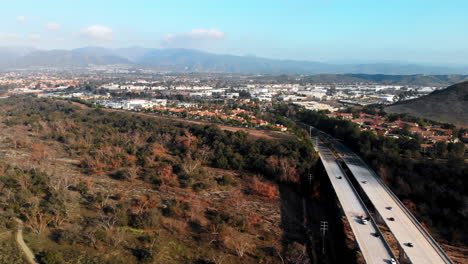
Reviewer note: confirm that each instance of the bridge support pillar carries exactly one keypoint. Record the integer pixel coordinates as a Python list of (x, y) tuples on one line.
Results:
[(402, 258)]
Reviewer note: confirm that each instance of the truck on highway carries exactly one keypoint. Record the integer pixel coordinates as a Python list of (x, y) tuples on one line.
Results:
[(364, 219)]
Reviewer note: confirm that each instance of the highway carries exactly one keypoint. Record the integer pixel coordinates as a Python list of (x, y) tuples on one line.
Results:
[(374, 249), (394, 214)]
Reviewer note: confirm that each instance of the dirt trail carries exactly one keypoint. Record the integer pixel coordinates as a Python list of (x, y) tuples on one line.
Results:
[(28, 254)]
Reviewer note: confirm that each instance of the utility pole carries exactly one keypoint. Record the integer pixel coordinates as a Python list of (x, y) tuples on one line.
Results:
[(323, 229), (309, 177)]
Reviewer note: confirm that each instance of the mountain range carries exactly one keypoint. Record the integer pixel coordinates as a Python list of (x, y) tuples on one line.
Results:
[(195, 60), (446, 105)]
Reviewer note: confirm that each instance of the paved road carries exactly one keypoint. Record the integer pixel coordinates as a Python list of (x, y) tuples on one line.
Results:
[(405, 227), (374, 249)]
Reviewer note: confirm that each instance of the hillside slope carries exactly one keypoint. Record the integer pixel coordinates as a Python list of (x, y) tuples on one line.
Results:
[(447, 105), (170, 210)]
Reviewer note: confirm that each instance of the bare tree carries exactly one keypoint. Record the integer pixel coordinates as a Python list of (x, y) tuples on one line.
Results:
[(218, 259), (240, 245), (107, 221), (151, 243), (116, 236), (203, 153), (89, 233), (60, 215), (133, 173), (190, 164), (296, 253), (37, 220), (60, 184), (143, 204), (103, 199), (24, 181), (279, 255), (214, 232)]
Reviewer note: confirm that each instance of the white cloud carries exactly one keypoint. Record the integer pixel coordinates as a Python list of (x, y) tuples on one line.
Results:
[(206, 33), (34, 37), (10, 37), (21, 19), (196, 38), (97, 32), (18, 39), (52, 26)]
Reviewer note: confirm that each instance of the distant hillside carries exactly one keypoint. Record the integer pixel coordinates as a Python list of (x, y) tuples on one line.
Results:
[(448, 105), (195, 60), (8, 55), (414, 79), (61, 58)]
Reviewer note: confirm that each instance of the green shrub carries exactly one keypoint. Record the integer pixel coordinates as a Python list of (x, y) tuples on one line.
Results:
[(50, 257)]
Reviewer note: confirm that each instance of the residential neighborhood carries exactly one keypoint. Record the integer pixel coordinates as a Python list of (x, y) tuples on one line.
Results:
[(383, 126)]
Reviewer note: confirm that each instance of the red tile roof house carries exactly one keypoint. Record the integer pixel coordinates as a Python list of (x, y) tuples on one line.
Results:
[(358, 121), (426, 134), (416, 130), (435, 139), (441, 131), (238, 111), (401, 124), (364, 115), (378, 122), (345, 116), (281, 127)]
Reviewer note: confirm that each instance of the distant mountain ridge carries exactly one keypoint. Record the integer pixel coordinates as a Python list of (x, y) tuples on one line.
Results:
[(195, 60), (447, 105), (66, 58), (8, 54)]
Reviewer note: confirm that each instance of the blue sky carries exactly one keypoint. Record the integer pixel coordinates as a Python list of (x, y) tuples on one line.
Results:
[(430, 31)]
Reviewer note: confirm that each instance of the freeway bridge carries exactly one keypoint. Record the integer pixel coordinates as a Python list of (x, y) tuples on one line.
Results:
[(370, 241), (415, 243)]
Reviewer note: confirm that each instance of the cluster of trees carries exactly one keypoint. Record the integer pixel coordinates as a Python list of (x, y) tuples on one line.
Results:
[(436, 187), (132, 146), (5, 87), (33, 196)]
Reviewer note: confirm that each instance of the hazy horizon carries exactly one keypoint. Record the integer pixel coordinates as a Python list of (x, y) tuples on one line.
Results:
[(416, 32), (337, 62)]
